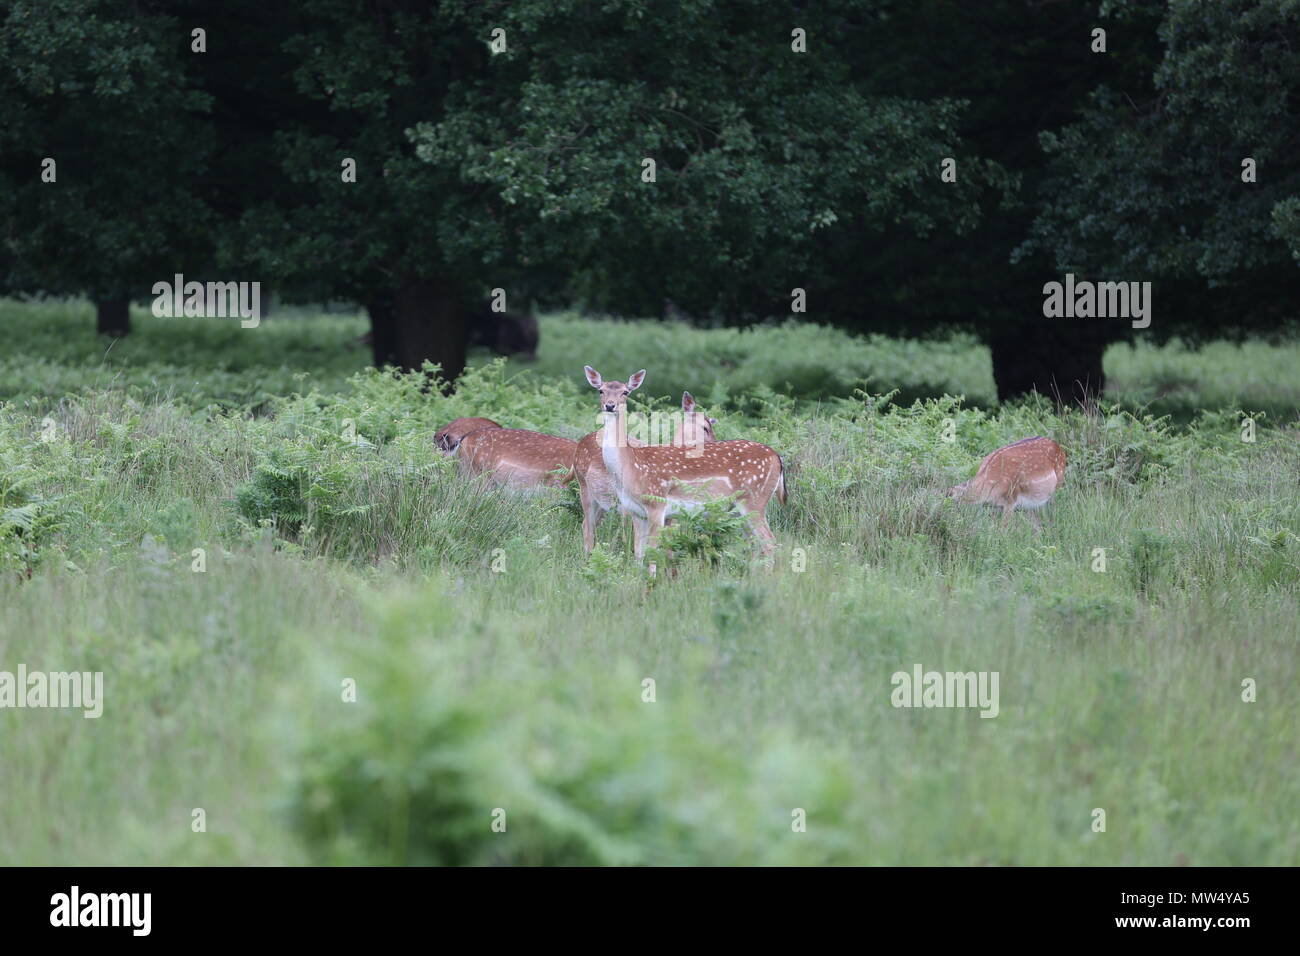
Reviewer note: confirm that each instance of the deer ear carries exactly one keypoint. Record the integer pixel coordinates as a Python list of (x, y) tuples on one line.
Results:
[(593, 377), (635, 381), (688, 402)]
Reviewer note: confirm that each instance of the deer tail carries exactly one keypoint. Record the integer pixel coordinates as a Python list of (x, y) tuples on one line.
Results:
[(780, 481)]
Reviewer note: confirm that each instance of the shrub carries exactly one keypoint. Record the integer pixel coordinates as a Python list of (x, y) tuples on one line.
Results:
[(436, 749)]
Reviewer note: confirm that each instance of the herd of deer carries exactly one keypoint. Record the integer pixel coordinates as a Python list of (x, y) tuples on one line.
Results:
[(652, 482)]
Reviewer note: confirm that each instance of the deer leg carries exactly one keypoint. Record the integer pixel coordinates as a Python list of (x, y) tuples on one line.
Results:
[(1007, 511), (639, 528), (592, 513), (668, 554), (1035, 520), (654, 521), (757, 518), (766, 539), (623, 525)]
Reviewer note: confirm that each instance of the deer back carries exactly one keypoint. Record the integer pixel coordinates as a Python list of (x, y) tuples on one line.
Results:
[(1007, 470), (747, 469), (518, 456)]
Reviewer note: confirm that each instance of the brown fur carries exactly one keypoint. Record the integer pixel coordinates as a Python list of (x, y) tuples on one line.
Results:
[(449, 436), (516, 457), (1024, 474)]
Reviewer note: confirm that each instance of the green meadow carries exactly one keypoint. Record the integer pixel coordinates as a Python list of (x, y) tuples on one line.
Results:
[(315, 632)]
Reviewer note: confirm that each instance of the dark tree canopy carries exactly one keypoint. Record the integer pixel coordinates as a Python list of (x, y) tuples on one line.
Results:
[(505, 146), (1152, 181), (100, 89)]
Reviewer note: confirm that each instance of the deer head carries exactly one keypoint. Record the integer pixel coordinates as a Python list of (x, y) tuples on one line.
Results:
[(697, 428), (975, 491), (613, 395)]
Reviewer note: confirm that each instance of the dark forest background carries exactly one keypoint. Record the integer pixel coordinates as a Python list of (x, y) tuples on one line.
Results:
[(1116, 157)]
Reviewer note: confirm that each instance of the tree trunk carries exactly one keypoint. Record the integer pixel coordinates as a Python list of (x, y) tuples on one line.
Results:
[(431, 324), (1058, 360), (113, 316), (383, 327)]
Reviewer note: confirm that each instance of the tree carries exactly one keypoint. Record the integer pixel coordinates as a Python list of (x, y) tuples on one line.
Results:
[(719, 153), (1195, 185), (520, 166), (342, 208), (104, 149), (761, 154), (1017, 68)]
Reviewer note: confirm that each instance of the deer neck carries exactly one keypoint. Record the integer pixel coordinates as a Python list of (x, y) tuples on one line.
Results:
[(615, 451)]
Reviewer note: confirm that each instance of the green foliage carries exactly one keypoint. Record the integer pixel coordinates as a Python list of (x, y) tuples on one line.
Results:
[(712, 534), (1149, 554), (1278, 558), (601, 565), (734, 606), (275, 494), (519, 168), (53, 351), (435, 750), (29, 517), (1087, 613), (1149, 183), (758, 152), (96, 86)]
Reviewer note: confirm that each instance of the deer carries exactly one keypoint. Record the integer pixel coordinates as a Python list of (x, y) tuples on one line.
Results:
[(449, 436), (594, 485), (517, 459), (1024, 474), (653, 482)]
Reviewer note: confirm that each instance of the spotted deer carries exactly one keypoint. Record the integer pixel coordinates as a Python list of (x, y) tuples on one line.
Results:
[(653, 482), (1024, 474), (516, 458), (449, 436), (595, 487)]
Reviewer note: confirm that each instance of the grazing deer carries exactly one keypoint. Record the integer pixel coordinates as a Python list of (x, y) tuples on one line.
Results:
[(449, 436), (517, 458), (594, 485), (652, 482), (1024, 474)]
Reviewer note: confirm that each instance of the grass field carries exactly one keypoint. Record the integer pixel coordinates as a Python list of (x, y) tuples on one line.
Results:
[(522, 689), (51, 351)]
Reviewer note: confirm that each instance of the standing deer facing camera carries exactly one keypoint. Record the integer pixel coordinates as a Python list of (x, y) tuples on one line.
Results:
[(595, 487), (1024, 474), (653, 482)]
